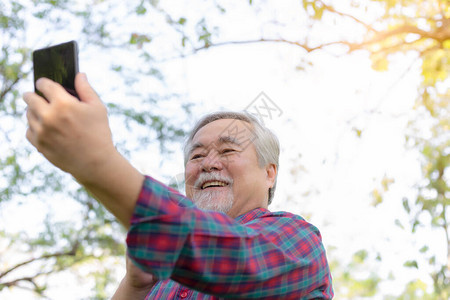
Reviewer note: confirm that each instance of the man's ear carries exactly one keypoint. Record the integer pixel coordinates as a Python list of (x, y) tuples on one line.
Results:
[(271, 174)]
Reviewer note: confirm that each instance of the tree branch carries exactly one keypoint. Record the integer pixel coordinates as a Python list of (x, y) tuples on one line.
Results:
[(8, 88), (26, 278), (37, 289), (264, 40), (71, 252), (440, 35), (402, 44)]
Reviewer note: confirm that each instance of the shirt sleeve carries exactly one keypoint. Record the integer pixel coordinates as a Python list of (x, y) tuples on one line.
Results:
[(275, 255)]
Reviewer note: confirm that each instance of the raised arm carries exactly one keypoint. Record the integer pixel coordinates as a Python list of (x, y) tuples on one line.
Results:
[(75, 136)]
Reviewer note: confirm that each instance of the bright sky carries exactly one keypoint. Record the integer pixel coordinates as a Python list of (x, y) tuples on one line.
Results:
[(335, 171)]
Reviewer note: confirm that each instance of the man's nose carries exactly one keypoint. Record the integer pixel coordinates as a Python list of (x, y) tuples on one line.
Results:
[(212, 162)]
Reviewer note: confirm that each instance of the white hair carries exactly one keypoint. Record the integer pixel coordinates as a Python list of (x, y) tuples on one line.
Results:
[(265, 141)]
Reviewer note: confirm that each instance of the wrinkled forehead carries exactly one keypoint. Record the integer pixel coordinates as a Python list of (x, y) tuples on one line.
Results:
[(222, 131)]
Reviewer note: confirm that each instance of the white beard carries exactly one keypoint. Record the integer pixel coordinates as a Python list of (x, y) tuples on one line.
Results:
[(214, 200)]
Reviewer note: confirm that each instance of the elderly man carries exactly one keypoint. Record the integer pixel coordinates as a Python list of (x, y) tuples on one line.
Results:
[(224, 243)]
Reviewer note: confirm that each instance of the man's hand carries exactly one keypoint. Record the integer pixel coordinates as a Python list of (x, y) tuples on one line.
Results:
[(136, 284), (75, 136)]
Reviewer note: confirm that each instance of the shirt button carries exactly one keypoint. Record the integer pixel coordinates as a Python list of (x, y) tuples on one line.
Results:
[(183, 294)]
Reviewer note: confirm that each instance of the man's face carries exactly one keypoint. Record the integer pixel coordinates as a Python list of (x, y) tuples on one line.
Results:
[(222, 171)]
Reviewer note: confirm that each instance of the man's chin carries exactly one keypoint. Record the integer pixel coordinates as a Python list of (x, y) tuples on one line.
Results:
[(214, 199)]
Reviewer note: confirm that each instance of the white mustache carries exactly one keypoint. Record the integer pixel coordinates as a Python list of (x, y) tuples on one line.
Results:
[(211, 177)]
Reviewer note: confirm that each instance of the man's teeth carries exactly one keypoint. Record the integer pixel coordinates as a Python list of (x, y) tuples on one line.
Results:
[(213, 183)]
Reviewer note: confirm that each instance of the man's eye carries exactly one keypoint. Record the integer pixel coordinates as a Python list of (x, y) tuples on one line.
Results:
[(227, 150), (196, 156)]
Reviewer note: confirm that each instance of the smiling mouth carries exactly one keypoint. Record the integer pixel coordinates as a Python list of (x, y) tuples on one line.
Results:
[(211, 184)]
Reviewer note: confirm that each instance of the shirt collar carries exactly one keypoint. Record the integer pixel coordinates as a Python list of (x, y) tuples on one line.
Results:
[(251, 215)]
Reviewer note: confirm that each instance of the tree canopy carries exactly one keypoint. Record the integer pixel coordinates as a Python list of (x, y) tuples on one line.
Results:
[(148, 34)]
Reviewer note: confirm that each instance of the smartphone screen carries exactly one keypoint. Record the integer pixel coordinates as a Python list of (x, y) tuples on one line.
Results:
[(58, 63)]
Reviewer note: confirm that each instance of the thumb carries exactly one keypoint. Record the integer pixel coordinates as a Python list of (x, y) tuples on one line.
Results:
[(84, 89)]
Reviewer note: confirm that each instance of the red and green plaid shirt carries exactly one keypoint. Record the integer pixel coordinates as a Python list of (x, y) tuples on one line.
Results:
[(200, 254)]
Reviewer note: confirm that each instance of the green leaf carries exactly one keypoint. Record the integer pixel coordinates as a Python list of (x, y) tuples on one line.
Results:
[(424, 249), (377, 197), (139, 39), (432, 260), (411, 264), (399, 224), (357, 131), (378, 257), (117, 68), (141, 10), (360, 256), (405, 203), (183, 41), (415, 224), (386, 182)]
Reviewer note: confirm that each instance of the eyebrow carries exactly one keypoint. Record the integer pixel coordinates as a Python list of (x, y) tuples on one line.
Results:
[(222, 140)]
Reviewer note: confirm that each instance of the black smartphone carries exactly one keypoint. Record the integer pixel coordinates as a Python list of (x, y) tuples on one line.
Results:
[(58, 63)]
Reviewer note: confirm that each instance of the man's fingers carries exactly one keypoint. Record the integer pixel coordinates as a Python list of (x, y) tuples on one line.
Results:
[(51, 90), (36, 104), (33, 119), (84, 89), (36, 107), (31, 99), (31, 137)]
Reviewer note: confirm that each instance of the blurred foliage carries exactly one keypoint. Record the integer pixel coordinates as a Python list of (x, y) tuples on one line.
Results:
[(422, 28), (92, 237), (352, 280)]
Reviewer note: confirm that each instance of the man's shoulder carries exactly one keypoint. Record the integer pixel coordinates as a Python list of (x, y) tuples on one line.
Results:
[(280, 216), (281, 219), (289, 231)]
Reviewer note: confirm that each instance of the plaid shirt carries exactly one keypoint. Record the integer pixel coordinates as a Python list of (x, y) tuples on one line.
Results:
[(207, 255)]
